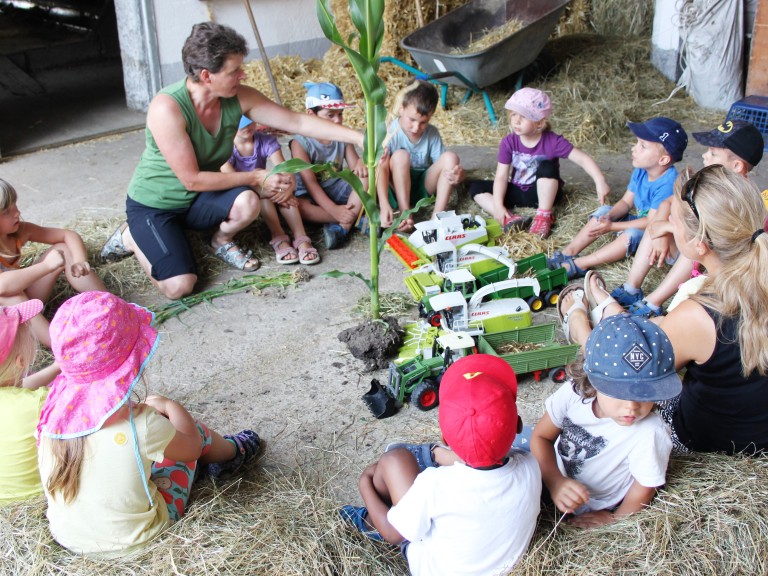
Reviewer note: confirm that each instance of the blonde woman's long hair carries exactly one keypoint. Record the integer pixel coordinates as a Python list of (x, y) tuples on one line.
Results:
[(731, 216)]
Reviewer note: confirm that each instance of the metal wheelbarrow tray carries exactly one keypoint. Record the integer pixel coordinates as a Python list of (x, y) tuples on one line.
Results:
[(431, 46)]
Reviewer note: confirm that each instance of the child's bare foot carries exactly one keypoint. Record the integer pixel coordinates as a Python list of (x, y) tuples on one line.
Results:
[(406, 225), (572, 309)]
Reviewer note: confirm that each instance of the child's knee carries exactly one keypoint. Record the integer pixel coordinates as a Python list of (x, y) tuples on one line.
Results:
[(449, 159), (632, 237), (400, 159)]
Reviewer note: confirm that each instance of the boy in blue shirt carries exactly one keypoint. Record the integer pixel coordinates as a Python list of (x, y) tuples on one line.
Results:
[(417, 164), (660, 143)]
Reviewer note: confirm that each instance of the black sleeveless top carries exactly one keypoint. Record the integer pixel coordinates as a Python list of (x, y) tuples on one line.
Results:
[(720, 410)]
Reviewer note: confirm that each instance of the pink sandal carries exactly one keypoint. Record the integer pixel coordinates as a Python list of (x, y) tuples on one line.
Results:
[(286, 254), (306, 253)]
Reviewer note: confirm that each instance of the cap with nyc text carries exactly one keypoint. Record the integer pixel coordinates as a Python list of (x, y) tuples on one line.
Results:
[(478, 409), (630, 358)]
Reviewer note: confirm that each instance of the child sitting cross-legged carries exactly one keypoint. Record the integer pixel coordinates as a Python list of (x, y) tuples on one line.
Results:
[(322, 197), (250, 152), (476, 516), (117, 472), (660, 144), (528, 169), (418, 165), (602, 448)]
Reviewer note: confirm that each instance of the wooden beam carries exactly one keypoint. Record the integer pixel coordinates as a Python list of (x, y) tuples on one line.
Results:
[(757, 74)]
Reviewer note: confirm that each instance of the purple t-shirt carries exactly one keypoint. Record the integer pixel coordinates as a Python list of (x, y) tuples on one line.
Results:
[(264, 145), (525, 161)]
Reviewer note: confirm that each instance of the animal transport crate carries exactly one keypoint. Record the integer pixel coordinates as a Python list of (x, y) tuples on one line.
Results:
[(752, 109)]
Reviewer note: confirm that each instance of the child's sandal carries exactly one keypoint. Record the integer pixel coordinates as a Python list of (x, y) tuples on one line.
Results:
[(286, 254), (308, 256)]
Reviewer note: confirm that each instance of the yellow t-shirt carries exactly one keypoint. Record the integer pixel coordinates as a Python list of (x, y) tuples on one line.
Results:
[(764, 194), (19, 414), (111, 515)]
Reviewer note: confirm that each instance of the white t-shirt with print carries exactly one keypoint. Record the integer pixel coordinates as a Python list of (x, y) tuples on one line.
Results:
[(462, 521), (604, 456)]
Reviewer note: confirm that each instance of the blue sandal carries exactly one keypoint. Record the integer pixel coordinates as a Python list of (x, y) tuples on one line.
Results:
[(573, 270), (356, 516), (642, 309)]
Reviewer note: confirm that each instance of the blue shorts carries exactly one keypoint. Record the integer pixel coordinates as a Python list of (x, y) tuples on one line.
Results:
[(337, 190), (159, 232), (633, 235)]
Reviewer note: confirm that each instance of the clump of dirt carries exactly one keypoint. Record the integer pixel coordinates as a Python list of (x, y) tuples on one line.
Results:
[(373, 341)]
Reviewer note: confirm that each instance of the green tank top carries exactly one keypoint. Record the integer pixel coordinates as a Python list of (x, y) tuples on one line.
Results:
[(154, 184)]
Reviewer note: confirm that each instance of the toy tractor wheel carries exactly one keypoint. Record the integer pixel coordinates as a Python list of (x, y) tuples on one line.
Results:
[(433, 319), (552, 297), (425, 395), (558, 375), (535, 303)]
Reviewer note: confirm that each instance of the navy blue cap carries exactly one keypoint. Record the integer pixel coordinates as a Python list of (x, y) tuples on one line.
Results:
[(738, 136), (665, 131), (630, 358)]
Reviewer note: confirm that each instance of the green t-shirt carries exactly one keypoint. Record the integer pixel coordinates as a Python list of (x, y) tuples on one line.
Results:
[(154, 184)]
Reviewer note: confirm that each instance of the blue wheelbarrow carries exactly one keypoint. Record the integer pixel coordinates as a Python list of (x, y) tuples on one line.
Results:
[(435, 47)]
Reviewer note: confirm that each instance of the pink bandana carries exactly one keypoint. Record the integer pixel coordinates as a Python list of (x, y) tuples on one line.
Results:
[(102, 344), (10, 319)]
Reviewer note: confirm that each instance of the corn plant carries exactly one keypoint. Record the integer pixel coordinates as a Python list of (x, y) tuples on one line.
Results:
[(368, 19)]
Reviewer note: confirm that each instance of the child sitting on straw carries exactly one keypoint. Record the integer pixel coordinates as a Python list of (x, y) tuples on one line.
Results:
[(67, 255), (21, 399), (528, 169), (250, 152), (476, 516), (602, 449), (660, 143), (417, 165), (116, 472), (322, 197), (736, 145)]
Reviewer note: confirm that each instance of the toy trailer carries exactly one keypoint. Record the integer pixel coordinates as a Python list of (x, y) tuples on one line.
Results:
[(550, 359), (550, 281)]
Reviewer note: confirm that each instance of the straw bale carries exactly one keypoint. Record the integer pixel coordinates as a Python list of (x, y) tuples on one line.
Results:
[(708, 519)]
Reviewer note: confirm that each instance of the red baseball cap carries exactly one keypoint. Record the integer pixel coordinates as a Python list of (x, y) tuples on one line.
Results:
[(478, 409)]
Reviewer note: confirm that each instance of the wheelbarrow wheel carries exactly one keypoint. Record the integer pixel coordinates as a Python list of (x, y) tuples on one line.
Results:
[(425, 395)]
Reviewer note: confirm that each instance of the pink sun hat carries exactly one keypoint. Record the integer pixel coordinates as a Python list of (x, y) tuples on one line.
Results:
[(530, 103), (11, 317), (102, 345)]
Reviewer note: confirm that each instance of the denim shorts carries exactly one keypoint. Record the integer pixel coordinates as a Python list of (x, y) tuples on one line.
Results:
[(633, 235), (159, 232), (337, 190)]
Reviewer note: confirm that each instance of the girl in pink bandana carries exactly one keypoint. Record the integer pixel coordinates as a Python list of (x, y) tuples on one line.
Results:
[(21, 398), (116, 472)]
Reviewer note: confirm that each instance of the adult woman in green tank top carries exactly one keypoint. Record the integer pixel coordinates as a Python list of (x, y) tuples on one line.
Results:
[(178, 184)]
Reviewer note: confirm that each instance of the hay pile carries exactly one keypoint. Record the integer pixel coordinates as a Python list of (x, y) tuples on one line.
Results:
[(597, 82), (709, 520)]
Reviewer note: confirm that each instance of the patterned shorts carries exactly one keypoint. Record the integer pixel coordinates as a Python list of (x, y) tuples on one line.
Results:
[(174, 479)]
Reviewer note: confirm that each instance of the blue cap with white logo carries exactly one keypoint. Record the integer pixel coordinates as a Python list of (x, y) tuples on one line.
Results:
[(630, 358), (666, 132)]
